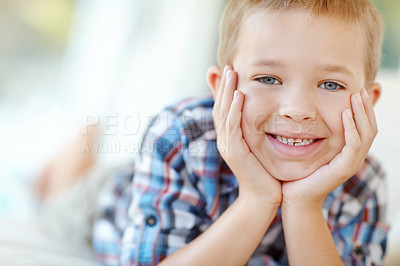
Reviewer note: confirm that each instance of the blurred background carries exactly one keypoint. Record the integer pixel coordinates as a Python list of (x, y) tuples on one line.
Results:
[(64, 63)]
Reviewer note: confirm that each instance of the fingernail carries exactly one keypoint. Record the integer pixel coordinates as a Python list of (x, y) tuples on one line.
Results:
[(235, 95), (229, 75), (225, 69), (348, 113), (358, 97)]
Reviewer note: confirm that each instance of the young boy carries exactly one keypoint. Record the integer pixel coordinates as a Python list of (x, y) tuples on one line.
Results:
[(272, 169)]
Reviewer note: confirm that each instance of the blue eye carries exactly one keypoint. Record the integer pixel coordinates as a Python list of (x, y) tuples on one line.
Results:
[(331, 86), (268, 80)]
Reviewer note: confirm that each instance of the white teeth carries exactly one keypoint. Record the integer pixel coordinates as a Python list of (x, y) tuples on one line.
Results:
[(294, 142)]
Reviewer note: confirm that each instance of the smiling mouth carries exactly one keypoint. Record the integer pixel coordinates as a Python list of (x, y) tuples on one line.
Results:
[(294, 141)]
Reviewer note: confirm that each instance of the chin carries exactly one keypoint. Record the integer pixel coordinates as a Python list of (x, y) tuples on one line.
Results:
[(288, 178), (291, 173)]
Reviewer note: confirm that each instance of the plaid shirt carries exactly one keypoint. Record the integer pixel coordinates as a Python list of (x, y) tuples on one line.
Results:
[(181, 186)]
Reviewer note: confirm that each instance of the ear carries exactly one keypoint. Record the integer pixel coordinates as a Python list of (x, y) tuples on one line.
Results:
[(374, 92), (214, 76)]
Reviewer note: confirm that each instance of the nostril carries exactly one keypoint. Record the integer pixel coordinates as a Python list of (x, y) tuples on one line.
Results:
[(300, 116)]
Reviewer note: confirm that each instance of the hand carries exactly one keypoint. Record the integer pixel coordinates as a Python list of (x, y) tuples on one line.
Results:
[(254, 180), (68, 166), (360, 131)]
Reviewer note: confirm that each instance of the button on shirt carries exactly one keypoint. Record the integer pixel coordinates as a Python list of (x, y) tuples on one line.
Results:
[(181, 186), (151, 220)]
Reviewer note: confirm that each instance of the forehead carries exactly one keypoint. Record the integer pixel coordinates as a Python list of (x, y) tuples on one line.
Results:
[(298, 36)]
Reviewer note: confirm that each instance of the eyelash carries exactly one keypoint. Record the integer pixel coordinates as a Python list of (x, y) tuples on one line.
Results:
[(260, 79), (339, 86)]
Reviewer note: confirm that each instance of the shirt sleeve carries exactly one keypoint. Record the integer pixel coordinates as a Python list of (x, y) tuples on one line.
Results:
[(359, 228), (167, 210), (111, 217)]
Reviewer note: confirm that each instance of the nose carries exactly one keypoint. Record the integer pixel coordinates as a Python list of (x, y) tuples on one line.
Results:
[(297, 105)]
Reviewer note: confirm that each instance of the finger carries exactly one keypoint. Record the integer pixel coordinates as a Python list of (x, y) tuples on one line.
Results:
[(346, 159), (361, 119), (233, 132), (235, 115), (369, 110), (218, 121), (220, 88), (230, 86), (351, 135)]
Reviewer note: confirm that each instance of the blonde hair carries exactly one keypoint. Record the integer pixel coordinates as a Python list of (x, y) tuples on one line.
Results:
[(358, 12)]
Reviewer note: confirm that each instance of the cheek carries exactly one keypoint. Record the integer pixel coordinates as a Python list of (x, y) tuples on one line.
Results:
[(257, 109), (332, 117), (255, 113)]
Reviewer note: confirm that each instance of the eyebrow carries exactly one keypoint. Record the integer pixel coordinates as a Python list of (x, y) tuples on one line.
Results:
[(326, 68), (336, 69), (268, 62)]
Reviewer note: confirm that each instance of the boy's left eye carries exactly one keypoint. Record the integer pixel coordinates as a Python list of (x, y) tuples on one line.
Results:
[(268, 80), (331, 86)]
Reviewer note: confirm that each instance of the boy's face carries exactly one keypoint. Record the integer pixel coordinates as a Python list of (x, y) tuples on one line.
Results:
[(297, 73)]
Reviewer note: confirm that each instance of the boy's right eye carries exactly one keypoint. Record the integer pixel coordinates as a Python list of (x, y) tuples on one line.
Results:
[(268, 80)]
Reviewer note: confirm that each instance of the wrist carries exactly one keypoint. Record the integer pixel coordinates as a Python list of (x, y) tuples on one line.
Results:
[(302, 206), (259, 202)]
